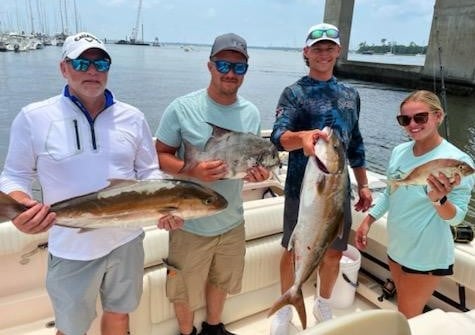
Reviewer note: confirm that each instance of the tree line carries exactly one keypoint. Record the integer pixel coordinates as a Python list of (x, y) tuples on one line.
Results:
[(391, 47)]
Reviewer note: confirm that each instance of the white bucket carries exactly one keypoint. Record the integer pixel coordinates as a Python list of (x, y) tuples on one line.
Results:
[(344, 290)]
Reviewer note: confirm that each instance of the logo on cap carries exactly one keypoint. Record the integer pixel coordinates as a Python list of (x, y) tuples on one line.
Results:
[(87, 37)]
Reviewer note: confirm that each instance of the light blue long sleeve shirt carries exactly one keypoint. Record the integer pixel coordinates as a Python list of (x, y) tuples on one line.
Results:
[(418, 237)]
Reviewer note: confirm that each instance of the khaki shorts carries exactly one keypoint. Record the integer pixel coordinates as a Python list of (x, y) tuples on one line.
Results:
[(73, 286), (194, 260)]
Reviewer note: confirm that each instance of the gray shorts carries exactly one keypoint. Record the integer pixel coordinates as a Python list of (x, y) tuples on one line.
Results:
[(73, 286), (291, 211)]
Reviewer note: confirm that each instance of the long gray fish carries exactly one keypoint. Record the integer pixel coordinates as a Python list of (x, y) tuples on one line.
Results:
[(240, 151), (419, 175), (320, 218), (129, 204)]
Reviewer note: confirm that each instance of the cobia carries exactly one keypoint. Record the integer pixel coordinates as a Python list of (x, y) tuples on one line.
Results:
[(129, 204)]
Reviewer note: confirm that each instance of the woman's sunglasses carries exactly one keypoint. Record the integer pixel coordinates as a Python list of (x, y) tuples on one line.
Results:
[(419, 118), (223, 66), (82, 64), (332, 33)]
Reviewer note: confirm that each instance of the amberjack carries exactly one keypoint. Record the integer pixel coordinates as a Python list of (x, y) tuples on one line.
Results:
[(239, 150), (418, 176), (129, 204), (320, 218)]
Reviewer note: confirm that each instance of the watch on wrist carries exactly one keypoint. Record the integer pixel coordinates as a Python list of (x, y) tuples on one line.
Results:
[(441, 201)]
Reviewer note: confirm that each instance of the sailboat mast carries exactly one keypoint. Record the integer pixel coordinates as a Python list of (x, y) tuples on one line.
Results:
[(76, 20), (31, 18), (61, 16)]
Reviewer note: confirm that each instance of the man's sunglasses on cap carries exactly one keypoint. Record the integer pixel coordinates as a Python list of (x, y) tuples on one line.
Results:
[(223, 66), (82, 64), (317, 33), (419, 118)]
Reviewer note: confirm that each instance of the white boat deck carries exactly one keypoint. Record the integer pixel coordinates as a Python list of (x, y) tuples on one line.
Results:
[(260, 324)]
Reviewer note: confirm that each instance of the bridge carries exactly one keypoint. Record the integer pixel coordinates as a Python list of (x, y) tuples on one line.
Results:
[(450, 57)]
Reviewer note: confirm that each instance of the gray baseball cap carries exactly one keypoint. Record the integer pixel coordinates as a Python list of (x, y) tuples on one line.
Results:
[(229, 42)]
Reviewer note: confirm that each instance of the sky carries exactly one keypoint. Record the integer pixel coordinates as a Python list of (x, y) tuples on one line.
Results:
[(265, 23)]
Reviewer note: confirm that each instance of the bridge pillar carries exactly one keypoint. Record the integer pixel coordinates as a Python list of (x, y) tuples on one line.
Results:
[(340, 14), (452, 34)]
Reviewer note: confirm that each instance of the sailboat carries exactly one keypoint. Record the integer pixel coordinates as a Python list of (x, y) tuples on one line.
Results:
[(133, 36)]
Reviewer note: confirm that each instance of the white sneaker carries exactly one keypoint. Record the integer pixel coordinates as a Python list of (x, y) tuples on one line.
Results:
[(322, 310), (281, 322)]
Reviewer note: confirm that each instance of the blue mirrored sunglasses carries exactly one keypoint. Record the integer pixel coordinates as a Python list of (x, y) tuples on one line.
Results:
[(82, 64), (331, 33), (223, 66)]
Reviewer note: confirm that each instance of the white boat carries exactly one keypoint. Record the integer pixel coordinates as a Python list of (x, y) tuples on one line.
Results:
[(25, 308), (17, 42)]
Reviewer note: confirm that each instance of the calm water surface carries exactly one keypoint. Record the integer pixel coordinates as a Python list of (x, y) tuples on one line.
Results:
[(150, 78)]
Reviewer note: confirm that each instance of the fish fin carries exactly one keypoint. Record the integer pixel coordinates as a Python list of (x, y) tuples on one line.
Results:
[(296, 300), (276, 176), (190, 153), (9, 207), (392, 184), (114, 185), (85, 230), (116, 182), (166, 210), (218, 131)]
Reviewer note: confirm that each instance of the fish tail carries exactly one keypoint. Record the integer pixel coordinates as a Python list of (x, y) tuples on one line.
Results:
[(189, 154), (291, 297), (9, 207), (392, 185)]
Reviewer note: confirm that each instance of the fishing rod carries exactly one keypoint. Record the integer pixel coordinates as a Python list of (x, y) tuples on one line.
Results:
[(443, 91)]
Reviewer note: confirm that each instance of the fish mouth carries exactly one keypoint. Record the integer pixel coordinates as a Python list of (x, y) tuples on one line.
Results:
[(321, 165)]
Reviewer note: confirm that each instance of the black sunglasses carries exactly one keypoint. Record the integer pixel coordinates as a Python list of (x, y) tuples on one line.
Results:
[(82, 64), (223, 66), (419, 118)]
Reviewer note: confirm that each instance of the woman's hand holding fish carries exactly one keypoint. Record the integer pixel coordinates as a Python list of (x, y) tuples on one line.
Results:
[(256, 174), (170, 222), (36, 219), (441, 185)]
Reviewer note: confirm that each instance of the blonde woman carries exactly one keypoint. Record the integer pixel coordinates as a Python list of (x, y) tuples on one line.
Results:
[(421, 247)]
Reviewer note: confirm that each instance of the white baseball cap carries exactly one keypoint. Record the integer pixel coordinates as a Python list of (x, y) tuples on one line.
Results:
[(323, 32), (75, 45)]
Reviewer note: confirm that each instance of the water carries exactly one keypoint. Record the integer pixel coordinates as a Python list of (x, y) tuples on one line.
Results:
[(150, 78)]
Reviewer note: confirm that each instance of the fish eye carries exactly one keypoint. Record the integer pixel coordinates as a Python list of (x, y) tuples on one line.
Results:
[(209, 200)]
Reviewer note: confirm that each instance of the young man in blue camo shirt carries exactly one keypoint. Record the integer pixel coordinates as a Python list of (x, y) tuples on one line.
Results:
[(304, 109)]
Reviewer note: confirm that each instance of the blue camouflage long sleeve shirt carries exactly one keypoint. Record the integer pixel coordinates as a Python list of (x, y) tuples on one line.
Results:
[(311, 104)]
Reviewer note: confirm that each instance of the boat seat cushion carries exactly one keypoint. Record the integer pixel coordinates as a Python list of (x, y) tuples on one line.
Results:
[(439, 322), (370, 322)]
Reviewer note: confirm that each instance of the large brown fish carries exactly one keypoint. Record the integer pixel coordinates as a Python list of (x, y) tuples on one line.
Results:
[(129, 204), (240, 151), (320, 218), (419, 175)]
